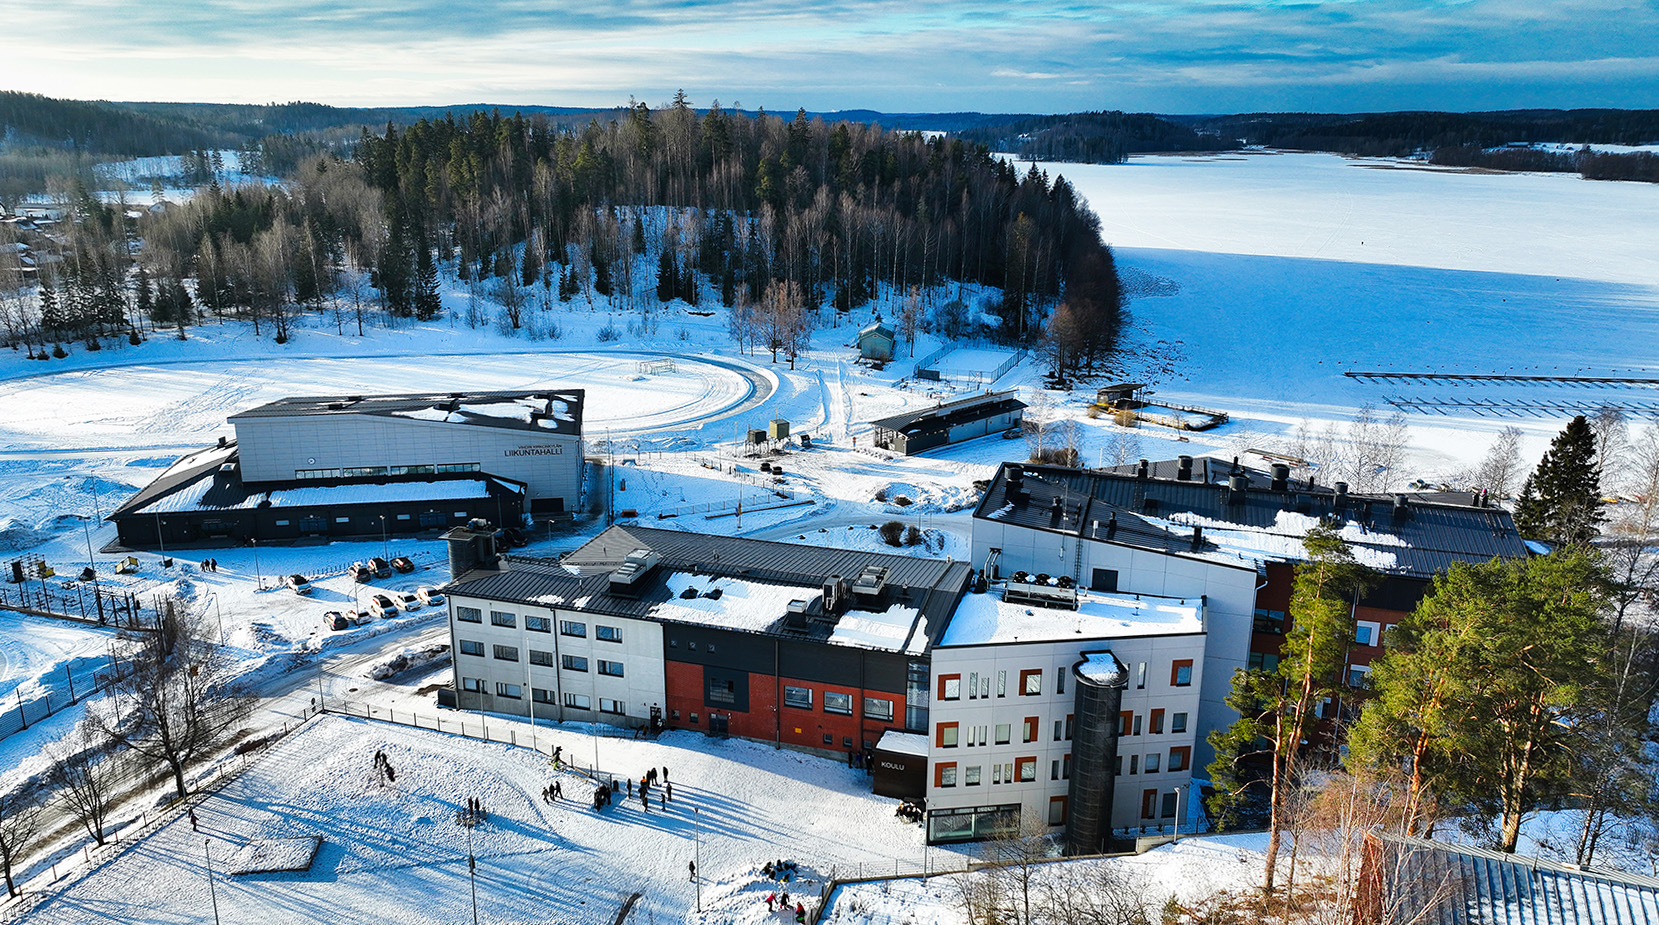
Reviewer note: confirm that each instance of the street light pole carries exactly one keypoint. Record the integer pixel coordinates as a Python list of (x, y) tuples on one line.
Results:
[(207, 846), (697, 823), (472, 872), (385, 547)]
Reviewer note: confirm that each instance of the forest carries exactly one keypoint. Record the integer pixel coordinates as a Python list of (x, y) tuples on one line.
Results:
[(777, 219), (1092, 137)]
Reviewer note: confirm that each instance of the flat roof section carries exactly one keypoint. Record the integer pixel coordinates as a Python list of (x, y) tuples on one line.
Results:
[(986, 619), (556, 411)]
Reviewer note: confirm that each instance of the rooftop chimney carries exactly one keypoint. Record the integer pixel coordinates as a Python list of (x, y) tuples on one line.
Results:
[(1341, 495), (1184, 471), (1143, 470), (1197, 538), (1016, 474), (1281, 477), (1236, 484)]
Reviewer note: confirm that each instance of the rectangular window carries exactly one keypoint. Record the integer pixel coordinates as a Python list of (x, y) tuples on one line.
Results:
[(950, 687), (1269, 621), (1156, 725), (1137, 727), (469, 614), (510, 691), (507, 653), (472, 684), (1004, 733), (1152, 763), (1178, 723), (693, 719), (538, 657), (1060, 680), (836, 702), (541, 695), (1366, 634), (1030, 729), (574, 662), (538, 624), (798, 697), (1140, 676), (608, 633), (945, 737), (357, 472), (458, 467), (1180, 758), (1031, 682), (1126, 721), (1134, 764), (1069, 719), (996, 773), (471, 647), (1118, 768), (985, 684), (1359, 676), (1168, 810), (606, 705), (572, 628), (1057, 725), (1180, 673), (1056, 810), (582, 702), (878, 709), (1054, 769), (944, 774), (1027, 768), (1002, 684), (1149, 804), (408, 470), (973, 684), (342, 520), (1065, 767), (970, 776), (614, 669), (1263, 661)]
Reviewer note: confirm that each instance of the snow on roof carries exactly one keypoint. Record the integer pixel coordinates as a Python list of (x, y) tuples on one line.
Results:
[(986, 618), (1102, 668), (1283, 540), (889, 629), (903, 743), (521, 410), (744, 605), (190, 498)]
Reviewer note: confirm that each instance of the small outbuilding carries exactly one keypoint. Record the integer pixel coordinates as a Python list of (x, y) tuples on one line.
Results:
[(876, 342), (952, 422), (900, 765)]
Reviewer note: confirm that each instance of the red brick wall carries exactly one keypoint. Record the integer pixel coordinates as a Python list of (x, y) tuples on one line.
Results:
[(685, 694)]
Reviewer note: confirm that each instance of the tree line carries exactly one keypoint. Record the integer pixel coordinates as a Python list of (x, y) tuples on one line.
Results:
[(1092, 137)]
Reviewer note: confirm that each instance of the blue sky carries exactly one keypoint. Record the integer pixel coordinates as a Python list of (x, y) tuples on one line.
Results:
[(892, 55)]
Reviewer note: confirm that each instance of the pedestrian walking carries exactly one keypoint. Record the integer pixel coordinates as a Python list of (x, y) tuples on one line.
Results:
[(631, 788), (693, 870), (771, 900), (193, 827), (645, 801), (800, 914), (558, 790), (664, 803), (665, 772), (668, 792)]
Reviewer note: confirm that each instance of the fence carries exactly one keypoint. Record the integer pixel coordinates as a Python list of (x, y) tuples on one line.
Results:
[(96, 605), (49, 700)]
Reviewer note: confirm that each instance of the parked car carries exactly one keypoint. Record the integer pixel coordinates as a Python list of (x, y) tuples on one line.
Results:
[(361, 572), (382, 569), (335, 621), (409, 601), (403, 565), (1013, 433), (360, 617), (382, 606), (298, 584), (431, 597)]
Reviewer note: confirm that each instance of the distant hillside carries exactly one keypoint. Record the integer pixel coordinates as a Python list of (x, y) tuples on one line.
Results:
[(99, 127), (1092, 137), (1401, 134)]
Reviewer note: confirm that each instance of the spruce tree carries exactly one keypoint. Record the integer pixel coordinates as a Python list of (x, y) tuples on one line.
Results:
[(427, 303), (668, 276), (1561, 500)]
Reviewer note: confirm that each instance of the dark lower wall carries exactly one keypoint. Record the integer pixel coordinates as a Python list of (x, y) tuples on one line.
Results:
[(237, 527)]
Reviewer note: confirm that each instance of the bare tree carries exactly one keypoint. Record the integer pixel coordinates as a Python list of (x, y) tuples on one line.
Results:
[(179, 697), (1502, 463), (910, 318), (1376, 449), (1123, 446), (83, 775), (1035, 424), (1612, 432), (21, 819)]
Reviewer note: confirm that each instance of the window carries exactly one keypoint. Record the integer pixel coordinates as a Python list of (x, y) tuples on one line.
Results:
[(946, 735), (1054, 769), (846, 741), (1366, 634), (507, 653), (606, 705), (316, 473), (572, 628), (973, 684), (985, 684), (1031, 682), (469, 614), (472, 684), (1057, 725), (608, 633), (970, 776), (828, 740), (1180, 673), (1027, 768), (878, 709), (1004, 732), (538, 624), (541, 695), (1178, 723), (1065, 767), (1269, 621), (1180, 758), (1056, 810), (950, 687), (1060, 680), (342, 520), (1137, 728), (1069, 719), (1359, 676), (538, 657), (693, 719), (1030, 729), (836, 702), (614, 669), (1140, 676), (1118, 768), (1134, 764), (1126, 721), (583, 702), (1168, 810), (798, 697), (944, 774), (1149, 803), (1263, 661), (574, 662), (408, 470), (353, 472), (996, 773), (1152, 763), (510, 691), (470, 647), (1002, 684), (458, 467), (1155, 725)]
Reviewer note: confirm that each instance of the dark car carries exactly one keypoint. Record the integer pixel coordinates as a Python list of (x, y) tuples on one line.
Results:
[(361, 572), (335, 620), (403, 565), (382, 569)]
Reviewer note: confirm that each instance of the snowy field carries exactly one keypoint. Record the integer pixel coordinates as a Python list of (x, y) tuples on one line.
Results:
[(397, 854), (35, 649)]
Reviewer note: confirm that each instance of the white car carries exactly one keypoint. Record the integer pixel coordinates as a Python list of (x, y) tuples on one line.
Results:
[(359, 617), (409, 601), (382, 606), (432, 597)]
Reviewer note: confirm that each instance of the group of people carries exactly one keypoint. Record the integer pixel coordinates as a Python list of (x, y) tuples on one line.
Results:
[(777, 903), (552, 793), (210, 565)]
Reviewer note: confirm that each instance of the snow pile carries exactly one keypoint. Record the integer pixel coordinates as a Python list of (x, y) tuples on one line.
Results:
[(275, 855), (410, 658)]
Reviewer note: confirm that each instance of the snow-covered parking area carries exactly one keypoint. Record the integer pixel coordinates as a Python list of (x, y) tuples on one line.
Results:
[(397, 854)]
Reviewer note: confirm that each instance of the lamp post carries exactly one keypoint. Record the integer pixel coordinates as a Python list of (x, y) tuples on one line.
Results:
[(472, 873), (207, 850), (697, 827), (385, 546), (160, 541), (257, 574)]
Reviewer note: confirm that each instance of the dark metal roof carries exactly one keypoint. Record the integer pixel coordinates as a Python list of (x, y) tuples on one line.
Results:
[(1424, 538), (950, 414), (548, 419), (187, 470), (581, 581), (1440, 884)]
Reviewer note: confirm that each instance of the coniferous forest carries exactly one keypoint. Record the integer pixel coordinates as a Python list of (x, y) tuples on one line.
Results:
[(780, 220)]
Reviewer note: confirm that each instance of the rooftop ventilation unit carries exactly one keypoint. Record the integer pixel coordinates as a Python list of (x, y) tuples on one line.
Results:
[(1059, 593), (1281, 477), (871, 584), (1236, 488), (627, 578), (1183, 472), (835, 594), (795, 617)]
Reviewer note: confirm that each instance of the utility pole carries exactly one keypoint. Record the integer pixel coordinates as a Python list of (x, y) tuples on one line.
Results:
[(697, 823), (472, 873), (207, 850)]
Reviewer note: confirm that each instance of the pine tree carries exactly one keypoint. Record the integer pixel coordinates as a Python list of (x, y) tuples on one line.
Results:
[(1561, 500), (146, 296), (668, 276), (428, 305)]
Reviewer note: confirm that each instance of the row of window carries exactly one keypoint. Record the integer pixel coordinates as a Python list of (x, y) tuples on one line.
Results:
[(365, 471), (537, 624), (541, 695), (1129, 723), (1366, 633), (1020, 770), (838, 702), (1030, 682), (1180, 759), (543, 658), (949, 735)]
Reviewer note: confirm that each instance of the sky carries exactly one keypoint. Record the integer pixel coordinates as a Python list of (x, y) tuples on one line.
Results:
[(1173, 56)]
